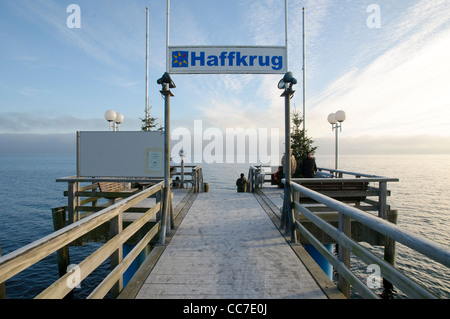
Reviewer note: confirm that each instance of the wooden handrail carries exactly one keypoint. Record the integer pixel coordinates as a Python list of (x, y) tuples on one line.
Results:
[(60, 288), (22, 258)]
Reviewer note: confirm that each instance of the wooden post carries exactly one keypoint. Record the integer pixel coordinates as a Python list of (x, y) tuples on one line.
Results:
[(194, 181), (59, 221), (94, 202), (71, 202), (389, 249), (115, 227), (159, 196), (344, 254), (382, 199)]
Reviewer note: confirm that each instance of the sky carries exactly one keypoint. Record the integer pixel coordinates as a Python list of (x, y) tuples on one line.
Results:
[(385, 63)]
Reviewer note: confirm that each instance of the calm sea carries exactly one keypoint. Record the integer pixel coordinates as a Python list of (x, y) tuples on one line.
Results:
[(28, 192)]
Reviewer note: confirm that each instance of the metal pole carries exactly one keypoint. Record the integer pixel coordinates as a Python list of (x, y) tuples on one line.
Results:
[(286, 32), (336, 150), (304, 77), (146, 81), (165, 218), (182, 171), (287, 157), (167, 35)]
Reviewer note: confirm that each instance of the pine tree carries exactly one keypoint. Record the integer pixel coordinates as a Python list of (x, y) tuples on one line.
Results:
[(151, 124), (301, 144)]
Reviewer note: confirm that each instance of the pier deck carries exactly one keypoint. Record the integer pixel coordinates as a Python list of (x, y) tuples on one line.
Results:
[(228, 247)]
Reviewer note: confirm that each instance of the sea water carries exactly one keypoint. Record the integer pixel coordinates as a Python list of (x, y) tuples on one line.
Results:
[(28, 192)]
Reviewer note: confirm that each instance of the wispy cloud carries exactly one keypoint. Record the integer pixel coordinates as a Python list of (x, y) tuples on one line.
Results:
[(402, 91), (32, 122), (107, 42), (121, 82), (31, 91), (26, 58)]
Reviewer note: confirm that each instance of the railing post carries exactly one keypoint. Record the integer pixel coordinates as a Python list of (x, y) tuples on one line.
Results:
[(202, 185), (382, 199), (344, 254), (257, 173), (73, 201), (158, 199), (59, 218), (195, 180), (389, 249), (115, 227)]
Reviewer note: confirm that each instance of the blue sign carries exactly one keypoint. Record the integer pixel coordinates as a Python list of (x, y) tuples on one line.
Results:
[(180, 59)]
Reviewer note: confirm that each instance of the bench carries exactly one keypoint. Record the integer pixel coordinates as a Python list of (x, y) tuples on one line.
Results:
[(343, 190), (112, 187), (107, 190)]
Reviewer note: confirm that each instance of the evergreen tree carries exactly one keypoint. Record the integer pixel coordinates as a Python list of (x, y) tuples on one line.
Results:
[(151, 124), (301, 144)]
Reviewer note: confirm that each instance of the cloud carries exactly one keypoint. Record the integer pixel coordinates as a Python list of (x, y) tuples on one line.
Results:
[(121, 82), (368, 144), (22, 122), (13, 144), (103, 38), (402, 92), (31, 92)]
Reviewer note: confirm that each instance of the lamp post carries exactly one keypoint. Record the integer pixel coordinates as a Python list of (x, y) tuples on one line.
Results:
[(181, 153), (286, 83), (166, 220), (119, 119), (110, 116), (336, 119), (114, 119)]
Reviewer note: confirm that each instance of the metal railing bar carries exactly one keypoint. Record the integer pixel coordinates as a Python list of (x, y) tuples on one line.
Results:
[(389, 272), (425, 246), (337, 264)]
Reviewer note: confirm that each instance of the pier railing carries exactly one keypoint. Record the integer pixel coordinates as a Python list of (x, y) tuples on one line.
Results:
[(179, 175), (342, 235), (17, 261), (90, 208), (256, 177), (85, 194)]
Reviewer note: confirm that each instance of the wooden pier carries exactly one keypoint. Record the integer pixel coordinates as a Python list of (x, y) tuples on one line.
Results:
[(228, 247), (224, 244)]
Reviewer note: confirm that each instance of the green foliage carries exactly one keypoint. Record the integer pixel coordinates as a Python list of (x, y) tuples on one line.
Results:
[(301, 144), (151, 124)]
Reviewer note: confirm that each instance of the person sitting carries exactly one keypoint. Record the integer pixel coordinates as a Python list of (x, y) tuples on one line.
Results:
[(241, 184), (278, 176)]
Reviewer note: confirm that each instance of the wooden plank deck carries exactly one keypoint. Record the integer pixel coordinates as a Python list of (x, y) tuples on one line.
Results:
[(228, 247)]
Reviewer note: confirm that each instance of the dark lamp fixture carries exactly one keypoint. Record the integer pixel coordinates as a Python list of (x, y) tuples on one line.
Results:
[(287, 78), (165, 79)]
